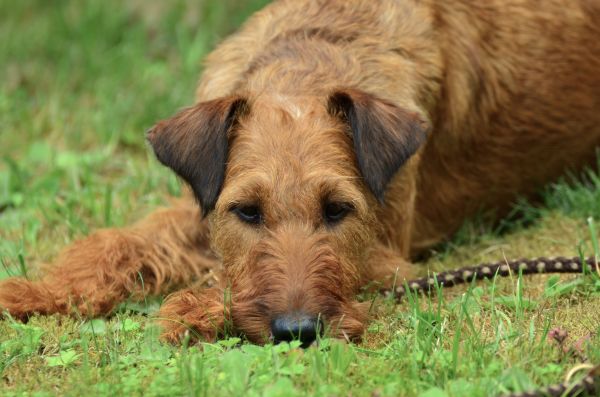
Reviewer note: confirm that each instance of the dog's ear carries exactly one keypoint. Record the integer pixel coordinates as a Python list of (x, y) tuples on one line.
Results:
[(194, 143), (385, 136)]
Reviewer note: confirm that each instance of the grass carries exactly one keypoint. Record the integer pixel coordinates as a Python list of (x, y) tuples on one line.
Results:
[(83, 80)]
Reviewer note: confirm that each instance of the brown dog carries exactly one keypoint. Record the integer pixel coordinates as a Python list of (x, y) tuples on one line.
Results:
[(332, 140)]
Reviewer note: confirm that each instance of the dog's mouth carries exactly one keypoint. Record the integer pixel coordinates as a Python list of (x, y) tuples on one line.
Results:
[(254, 321)]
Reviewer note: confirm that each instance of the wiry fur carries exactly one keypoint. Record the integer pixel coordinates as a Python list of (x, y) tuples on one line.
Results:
[(318, 101)]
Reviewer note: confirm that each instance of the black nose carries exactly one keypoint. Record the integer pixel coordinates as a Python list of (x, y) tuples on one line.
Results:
[(304, 328)]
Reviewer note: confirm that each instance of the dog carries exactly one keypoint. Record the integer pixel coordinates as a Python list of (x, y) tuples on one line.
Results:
[(332, 141)]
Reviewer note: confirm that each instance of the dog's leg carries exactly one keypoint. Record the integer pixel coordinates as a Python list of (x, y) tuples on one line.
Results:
[(387, 267), (389, 259), (167, 249)]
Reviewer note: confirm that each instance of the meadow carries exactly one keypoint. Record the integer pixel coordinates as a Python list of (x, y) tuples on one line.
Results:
[(81, 83)]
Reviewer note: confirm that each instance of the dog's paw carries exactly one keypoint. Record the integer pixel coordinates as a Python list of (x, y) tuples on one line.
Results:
[(350, 324), (193, 315)]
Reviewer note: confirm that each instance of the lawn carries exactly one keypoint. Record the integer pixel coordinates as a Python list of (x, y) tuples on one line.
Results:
[(82, 81)]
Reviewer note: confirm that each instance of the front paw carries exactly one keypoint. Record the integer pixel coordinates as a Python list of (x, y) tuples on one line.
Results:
[(199, 315)]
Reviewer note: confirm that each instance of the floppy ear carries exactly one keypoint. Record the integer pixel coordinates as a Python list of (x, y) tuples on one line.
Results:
[(385, 136), (194, 143)]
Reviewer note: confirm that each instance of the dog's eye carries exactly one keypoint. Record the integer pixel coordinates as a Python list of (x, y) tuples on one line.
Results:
[(335, 212), (248, 213)]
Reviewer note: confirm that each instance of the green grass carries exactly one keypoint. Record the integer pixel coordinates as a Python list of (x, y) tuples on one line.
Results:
[(83, 80)]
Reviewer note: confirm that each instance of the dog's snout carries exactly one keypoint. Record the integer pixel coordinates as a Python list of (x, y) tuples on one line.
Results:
[(305, 328)]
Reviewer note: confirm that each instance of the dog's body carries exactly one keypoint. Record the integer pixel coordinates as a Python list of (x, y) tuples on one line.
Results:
[(333, 140)]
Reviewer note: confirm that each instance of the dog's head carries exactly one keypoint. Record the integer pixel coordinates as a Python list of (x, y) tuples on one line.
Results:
[(290, 185)]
